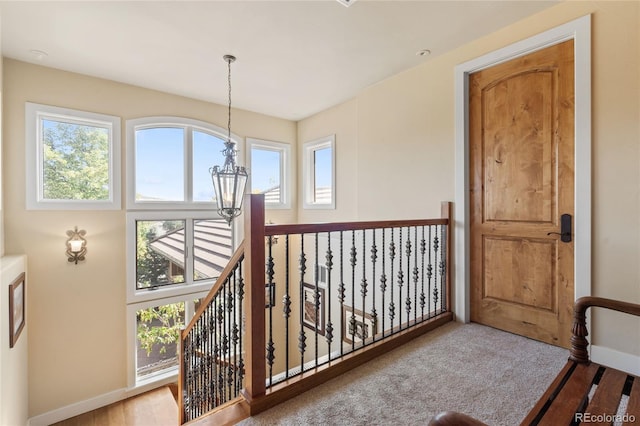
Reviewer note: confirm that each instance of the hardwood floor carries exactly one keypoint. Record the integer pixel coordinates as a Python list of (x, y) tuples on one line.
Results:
[(154, 408)]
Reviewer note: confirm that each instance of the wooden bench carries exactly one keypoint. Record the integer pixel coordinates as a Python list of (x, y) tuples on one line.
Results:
[(583, 391)]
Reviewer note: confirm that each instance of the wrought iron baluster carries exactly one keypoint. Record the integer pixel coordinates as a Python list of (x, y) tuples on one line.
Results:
[(416, 273), (235, 331), (383, 280), (409, 249), (228, 370), (363, 283), (221, 346), (443, 261), (203, 325), (329, 265), (435, 261), (423, 247), (352, 319), (429, 269), (400, 280), (286, 305), (316, 298), (215, 307), (392, 256), (341, 291), (241, 317), (302, 337), (270, 287), (374, 313)]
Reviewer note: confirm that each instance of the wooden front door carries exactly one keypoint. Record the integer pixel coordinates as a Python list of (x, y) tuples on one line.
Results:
[(521, 144)]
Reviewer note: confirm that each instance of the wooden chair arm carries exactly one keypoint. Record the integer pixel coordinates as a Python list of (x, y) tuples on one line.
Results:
[(452, 418), (579, 342)]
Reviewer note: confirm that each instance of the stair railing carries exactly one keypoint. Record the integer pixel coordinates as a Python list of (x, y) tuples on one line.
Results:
[(301, 304)]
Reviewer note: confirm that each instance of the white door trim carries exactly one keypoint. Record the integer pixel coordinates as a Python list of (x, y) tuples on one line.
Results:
[(580, 31)]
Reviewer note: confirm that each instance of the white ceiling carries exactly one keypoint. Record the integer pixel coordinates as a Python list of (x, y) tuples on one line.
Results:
[(295, 58)]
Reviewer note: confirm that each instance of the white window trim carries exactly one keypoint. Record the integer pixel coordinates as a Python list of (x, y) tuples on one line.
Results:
[(177, 122), (285, 169), (309, 172), (34, 113)]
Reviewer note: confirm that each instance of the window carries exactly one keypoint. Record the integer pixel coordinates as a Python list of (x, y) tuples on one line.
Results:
[(270, 172), (319, 173), (156, 330), (177, 244), (169, 159), (73, 159)]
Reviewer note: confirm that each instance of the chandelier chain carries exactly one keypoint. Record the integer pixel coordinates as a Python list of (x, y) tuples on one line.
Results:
[(229, 109)]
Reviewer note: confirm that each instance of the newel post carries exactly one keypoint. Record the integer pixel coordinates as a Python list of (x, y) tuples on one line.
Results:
[(255, 293), (446, 212)]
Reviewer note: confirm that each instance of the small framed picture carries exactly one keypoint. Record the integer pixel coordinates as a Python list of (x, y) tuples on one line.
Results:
[(269, 295), (313, 313), (17, 311), (362, 328)]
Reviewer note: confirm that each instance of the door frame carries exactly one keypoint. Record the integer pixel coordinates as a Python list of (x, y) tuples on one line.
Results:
[(580, 31)]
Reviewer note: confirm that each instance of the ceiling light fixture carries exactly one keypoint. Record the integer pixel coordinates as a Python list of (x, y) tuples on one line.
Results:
[(38, 54), (346, 3), (423, 52), (230, 180)]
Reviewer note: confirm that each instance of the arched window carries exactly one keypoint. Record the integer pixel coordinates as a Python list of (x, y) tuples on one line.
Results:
[(177, 244)]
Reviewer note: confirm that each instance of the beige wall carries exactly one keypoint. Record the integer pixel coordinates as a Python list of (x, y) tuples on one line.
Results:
[(1, 196), (14, 393), (342, 121), (77, 313), (403, 129)]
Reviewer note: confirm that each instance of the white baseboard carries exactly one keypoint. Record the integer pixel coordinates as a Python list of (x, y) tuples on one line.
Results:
[(77, 408), (99, 401), (619, 360)]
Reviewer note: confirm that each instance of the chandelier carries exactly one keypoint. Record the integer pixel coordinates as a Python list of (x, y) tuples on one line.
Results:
[(230, 180)]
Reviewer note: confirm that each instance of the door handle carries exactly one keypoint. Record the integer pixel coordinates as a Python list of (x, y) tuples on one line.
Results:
[(565, 229)]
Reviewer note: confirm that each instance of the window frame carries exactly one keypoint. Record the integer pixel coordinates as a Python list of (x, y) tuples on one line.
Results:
[(189, 285), (189, 125), (187, 210), (284, 150), (34, 115), (308, 152), (169, 374)]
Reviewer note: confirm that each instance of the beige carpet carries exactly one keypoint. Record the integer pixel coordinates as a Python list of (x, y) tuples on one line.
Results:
[(494, 376)]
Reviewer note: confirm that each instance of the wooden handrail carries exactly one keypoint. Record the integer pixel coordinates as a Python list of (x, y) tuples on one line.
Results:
[(579, 342), (308, 228)]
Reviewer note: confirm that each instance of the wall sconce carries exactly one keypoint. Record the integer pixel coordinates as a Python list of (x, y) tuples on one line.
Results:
[(76, 245)]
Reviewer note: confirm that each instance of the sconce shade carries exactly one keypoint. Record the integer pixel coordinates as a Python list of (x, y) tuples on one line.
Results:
[(76, 245)]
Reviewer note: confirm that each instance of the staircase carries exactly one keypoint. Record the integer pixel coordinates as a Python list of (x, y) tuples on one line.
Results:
[(157, 407)]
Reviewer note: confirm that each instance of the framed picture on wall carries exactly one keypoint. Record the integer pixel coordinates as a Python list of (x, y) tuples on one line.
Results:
[(17, 317), (313, 315), (361, 329)]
